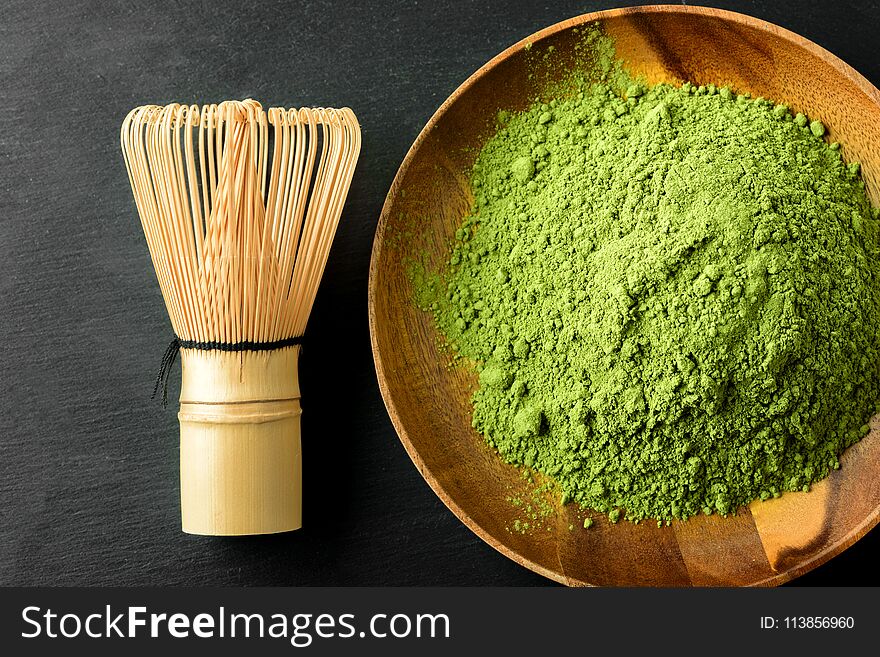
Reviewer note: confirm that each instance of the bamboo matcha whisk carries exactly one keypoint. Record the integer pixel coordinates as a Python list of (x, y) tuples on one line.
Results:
[(239, 207)]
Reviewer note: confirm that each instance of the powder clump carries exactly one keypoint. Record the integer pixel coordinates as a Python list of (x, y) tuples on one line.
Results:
[(672, 294), (523, 168)]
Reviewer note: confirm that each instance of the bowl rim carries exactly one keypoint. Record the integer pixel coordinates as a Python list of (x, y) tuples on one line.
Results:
[(830, 58)]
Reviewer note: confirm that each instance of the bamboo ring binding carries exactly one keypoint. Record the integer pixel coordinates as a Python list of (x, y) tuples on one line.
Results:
[(239, 208)]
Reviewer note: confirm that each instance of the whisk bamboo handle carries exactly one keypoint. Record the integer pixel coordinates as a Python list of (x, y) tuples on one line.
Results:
[(240, 457)]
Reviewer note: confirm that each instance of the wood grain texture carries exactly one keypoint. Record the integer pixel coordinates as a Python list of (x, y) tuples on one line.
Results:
[(765, 544)]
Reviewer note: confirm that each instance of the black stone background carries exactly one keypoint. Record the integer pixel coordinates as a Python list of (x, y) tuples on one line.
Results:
[(88, 464)]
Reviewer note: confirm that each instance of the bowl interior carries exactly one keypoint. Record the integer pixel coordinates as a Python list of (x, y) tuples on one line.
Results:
[(767, 543)]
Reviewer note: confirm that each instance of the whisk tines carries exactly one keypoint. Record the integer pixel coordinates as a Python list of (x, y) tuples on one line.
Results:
[(239, 207)]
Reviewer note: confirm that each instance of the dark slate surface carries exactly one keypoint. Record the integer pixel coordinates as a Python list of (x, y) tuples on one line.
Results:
[(88, 465)]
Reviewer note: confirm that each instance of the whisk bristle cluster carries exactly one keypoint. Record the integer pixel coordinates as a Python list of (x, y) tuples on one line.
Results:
[(239, 207)]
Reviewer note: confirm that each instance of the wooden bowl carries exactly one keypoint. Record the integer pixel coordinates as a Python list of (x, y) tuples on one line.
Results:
[(765, 544)]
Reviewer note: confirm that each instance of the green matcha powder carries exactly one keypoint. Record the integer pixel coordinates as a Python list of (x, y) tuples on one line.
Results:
[(671, 295)]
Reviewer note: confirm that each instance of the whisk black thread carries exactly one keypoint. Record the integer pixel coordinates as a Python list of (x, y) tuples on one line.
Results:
[(177, 344)]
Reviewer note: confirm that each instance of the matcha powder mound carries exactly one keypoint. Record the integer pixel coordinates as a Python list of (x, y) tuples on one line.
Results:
[(671, 295)]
